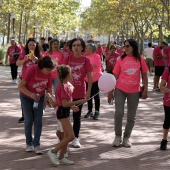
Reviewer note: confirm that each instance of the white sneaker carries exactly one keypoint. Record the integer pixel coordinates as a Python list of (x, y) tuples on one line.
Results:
[(65, 161), (117, 141), (53, 157), (29, 148), (66, 155), (126, 143), (37, 150), (13, 82), (76, 143)]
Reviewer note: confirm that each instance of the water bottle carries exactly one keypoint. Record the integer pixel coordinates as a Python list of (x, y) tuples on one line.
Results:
[(35, 105), (111, 102)]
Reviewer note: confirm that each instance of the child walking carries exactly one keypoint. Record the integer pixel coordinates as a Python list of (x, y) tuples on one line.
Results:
[(165, 87), (64, 101)]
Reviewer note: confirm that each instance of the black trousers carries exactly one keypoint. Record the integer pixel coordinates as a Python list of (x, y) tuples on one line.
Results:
[(14, 71), (166, 124), (94, 91)]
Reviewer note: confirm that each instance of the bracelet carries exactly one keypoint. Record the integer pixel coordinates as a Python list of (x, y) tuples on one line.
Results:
[(32, 95)]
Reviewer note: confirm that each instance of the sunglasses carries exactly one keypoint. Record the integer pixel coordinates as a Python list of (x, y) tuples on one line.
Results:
[(126, 46)]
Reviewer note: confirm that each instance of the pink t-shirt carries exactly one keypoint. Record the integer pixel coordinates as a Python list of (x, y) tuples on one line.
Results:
[(166, 76), (11, 50), (80, 67), (112, 59), (36, 80), (167, 52), (97, 71), (58, 57), (129, 71), (26, 64), (63, 93), (158, 52)]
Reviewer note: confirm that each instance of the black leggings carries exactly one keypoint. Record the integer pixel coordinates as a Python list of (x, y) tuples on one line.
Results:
[(14, 71), (166, 124), (77, 120), (94, 91)]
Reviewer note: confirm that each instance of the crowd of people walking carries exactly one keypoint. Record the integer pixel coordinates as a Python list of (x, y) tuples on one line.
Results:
[(65, 75)]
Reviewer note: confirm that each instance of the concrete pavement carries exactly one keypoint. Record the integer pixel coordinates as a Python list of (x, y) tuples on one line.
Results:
[(96, 137)]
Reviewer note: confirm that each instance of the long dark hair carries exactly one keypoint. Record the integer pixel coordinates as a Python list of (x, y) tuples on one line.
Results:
[(134, 45), (37, 51), (51, 42)]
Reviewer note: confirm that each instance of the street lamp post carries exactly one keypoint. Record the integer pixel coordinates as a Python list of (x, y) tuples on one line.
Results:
[(13, 23)]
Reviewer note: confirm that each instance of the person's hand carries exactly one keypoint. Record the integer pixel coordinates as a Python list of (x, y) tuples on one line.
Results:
[(110, 96), (48, 96), (36, 97), (82, 101), (144, 94), (75, 108), (26, 58), (88, 95)]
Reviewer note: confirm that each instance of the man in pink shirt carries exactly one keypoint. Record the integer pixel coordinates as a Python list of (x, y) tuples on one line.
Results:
[(159, 63), (97, 72)]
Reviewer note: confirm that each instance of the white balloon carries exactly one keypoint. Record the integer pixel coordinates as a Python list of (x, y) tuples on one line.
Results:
[(107, 82)]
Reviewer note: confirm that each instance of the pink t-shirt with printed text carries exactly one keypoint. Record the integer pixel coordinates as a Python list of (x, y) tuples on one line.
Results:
[(158, 52), (166, 76), (26, 64), (58, 57), (36, 80), (97, 70), (112, 59), (11, 50), (80, 67), (63, 93), (129, 71)]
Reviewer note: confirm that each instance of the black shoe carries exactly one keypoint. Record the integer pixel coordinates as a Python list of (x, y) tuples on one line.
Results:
[(89, 114), (163, 145), (21, 120), (96, 115)]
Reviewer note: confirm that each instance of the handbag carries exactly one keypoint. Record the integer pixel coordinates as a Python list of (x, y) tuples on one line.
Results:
[(16, 55)]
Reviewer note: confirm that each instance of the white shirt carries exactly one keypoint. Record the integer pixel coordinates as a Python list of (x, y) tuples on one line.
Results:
[(148, 52)]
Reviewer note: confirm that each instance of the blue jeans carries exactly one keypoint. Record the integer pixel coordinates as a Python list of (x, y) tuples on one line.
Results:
[(32, 116)]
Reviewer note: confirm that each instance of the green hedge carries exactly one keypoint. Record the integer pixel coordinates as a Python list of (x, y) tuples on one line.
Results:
[(3, 50)]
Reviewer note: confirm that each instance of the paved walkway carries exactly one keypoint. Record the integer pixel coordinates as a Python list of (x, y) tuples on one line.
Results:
[(96, 137)]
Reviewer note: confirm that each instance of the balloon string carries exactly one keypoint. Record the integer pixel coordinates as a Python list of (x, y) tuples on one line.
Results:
[(89, 99)]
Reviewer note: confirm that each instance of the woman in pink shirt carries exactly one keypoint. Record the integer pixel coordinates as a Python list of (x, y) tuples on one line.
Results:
[(13, 49), (32, 88), (127, 71), (111, 58), (57, 56), (97, 72), (165, 87), (28, 57), (81, 67)]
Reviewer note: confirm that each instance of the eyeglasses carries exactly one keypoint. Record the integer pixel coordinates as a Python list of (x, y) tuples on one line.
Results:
[(78, 45), (126, 46)]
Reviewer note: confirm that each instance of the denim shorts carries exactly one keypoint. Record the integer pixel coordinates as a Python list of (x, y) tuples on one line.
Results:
[(63, 112)]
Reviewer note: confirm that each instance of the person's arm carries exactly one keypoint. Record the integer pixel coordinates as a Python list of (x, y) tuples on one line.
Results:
[(145, 83), (88, 93), (163, 88), (65, 103), (22, 87), (21, 62), (110, 95), (51, 100)]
